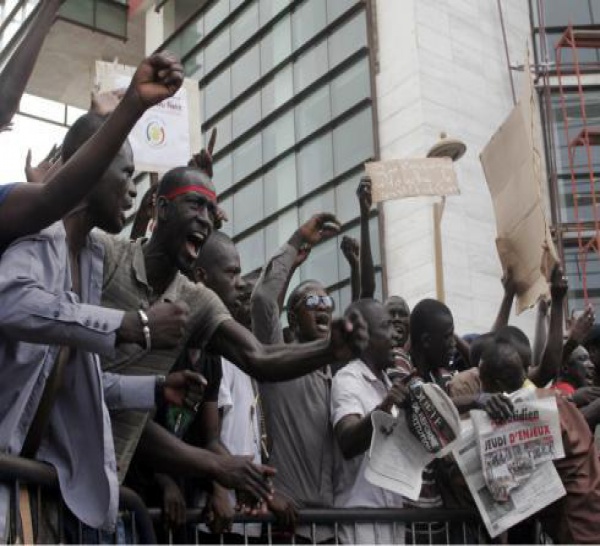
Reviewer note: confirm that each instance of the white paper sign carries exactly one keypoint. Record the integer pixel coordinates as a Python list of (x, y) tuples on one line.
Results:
[(161, 138)]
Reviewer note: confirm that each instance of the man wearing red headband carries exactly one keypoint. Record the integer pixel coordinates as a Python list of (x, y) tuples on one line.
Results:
[(137, 274)]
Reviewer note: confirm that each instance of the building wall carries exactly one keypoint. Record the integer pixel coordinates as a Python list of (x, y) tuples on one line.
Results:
[(442, 67)]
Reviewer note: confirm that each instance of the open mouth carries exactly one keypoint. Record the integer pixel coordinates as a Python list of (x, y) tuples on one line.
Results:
[(193, 244), (322, 321)]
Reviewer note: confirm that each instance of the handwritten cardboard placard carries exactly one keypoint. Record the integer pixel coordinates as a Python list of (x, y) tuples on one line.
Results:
[(398, 178)]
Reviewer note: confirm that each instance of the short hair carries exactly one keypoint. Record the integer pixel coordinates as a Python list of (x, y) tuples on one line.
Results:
[(519, 340), (177, 177), (296, 294), (502, 364), (213, 245), (478, 347), (364, 307), (422, 316), (400, 300), (80, 132)]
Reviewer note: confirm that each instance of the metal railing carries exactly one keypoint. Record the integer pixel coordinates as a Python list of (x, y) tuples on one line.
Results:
[(137, 523)]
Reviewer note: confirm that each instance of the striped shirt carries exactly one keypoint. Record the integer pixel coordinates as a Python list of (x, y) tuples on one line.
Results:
[(126, 287)]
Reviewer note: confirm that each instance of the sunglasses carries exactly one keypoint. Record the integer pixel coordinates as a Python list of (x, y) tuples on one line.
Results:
[(312, 301)]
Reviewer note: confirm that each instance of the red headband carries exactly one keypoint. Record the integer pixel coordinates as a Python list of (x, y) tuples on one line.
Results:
[(188, 189)]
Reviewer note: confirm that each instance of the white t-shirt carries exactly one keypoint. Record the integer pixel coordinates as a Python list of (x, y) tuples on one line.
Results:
[(356, 391), (240, 429)]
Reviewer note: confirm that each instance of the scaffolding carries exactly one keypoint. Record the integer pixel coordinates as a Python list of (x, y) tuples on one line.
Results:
[(570, 75)]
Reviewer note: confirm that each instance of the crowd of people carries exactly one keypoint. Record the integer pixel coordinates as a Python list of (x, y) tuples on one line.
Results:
[(152, 362)]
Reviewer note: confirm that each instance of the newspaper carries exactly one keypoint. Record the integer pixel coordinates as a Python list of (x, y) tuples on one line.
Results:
[(397, 458), (543, 488), (512, 450)]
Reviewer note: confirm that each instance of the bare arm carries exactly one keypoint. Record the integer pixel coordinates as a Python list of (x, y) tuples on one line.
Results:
[(283, 362), (541, 332), (367, 269), (18, 69), (507, 300), (351, 251), (552, 358), (29, 208), (463, 348)]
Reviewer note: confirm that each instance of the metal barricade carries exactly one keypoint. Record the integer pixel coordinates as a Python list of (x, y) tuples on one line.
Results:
[(52, 519)]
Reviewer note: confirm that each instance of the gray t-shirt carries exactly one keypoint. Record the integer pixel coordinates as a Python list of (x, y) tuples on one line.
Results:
[(300, 436)]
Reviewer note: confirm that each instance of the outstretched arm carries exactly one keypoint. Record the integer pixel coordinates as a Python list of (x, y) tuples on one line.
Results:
[(18, 69), (351, 251), (552, 358), (282, 362), (367, 269), (270, 289), (28, 208), (507, 300)]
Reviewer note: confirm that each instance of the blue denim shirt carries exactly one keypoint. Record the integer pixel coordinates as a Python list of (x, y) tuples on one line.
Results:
[(38, 313)]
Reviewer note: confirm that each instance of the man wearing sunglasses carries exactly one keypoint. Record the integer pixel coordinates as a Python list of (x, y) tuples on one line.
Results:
[(299, 431)]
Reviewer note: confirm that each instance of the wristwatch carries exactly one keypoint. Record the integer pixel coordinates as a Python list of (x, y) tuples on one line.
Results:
[(145, 328)]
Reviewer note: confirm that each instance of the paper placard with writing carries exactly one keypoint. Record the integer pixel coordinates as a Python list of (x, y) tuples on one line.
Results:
[(398, 178)]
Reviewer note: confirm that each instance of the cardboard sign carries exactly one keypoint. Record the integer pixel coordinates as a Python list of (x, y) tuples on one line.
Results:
[(400, 178), (162, 138), (514, 173)]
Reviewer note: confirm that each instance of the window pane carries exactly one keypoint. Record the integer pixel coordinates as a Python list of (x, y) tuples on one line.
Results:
[(315, 164), (353, 142), (280, 230), (323, 263), (346, 203), (216, 14), (574, 270), (350, 38), (313, 112), (227, 206), (217, 94), (307, 20), (277, 91), (278, 136), (246, 115), (276, 45), (558, 13), (270, 8), (350, 87), (335, 8), (216, 51), (280, 184), (111, 18), (248, 205), (252, 251), (322, 202), (223, 173), (247, 158), (244, 26), (194, 66), (245, 71), (311, 66)]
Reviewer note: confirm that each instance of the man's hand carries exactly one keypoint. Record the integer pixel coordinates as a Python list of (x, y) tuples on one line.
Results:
[(203, 159), (558, 284), (241, 474), (167, 323), (104, 103), (351, 250), (218, 511), (397, 396), (37, 174), (497, 406), (317, 228), (584, 396), (220, 217), (284, 510), (508, 283), (158, 77), (173, 505), (365, 198), (582, 325), (184, 389), (349, 336)]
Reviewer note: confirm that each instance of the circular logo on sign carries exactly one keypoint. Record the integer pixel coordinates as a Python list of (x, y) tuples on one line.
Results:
[(155, 133)]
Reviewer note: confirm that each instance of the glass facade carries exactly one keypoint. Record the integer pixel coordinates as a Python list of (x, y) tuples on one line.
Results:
[(551, 17), (287, 84)]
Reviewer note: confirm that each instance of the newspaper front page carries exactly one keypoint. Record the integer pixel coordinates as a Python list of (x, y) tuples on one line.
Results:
[(543, 488)]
